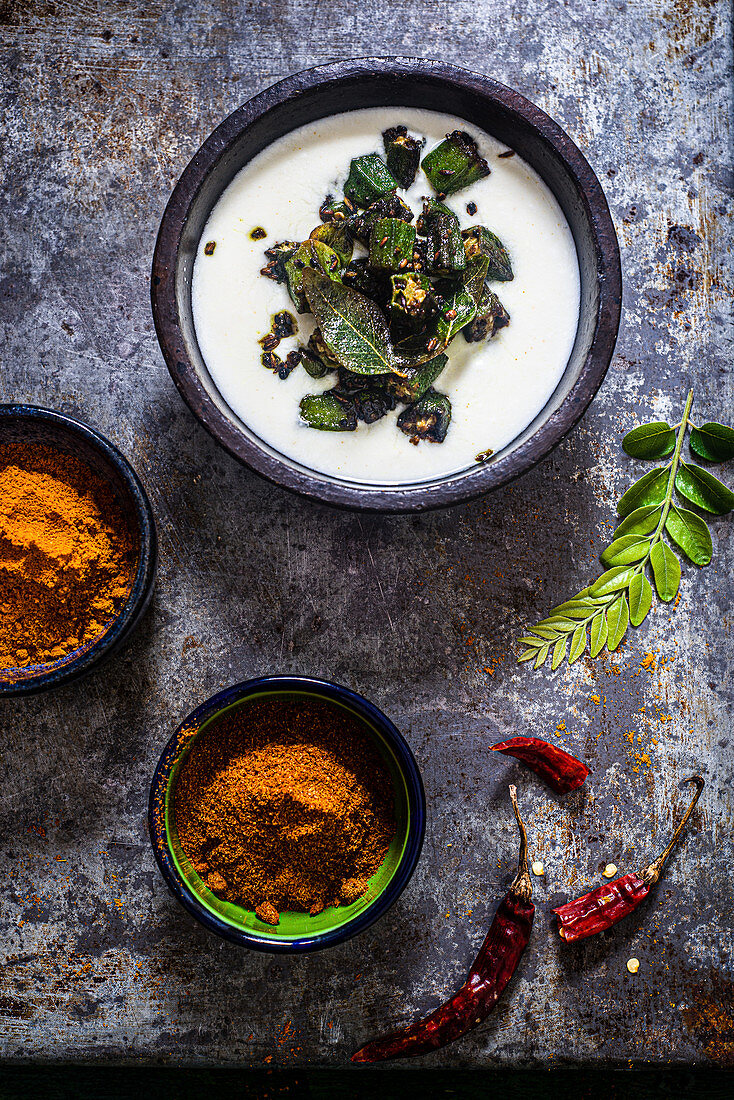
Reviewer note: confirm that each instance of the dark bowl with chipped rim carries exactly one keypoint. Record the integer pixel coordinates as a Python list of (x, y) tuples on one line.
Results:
[(390, 82), (296, 932), (31, 424)]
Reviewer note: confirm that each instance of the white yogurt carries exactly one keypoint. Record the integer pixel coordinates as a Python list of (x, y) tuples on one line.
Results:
[(496, 387)]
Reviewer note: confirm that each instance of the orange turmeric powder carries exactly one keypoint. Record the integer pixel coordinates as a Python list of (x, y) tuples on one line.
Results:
[(67, 554)]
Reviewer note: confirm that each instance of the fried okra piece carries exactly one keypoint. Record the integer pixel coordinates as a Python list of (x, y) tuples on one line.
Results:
[(455, 163), (390, 206), (391, 245), (411, 298), (328, 412), (336, 235), (428, 418), (369, 396), (402, 153), (444, 252), (318, 361), (368, 180), (413, 383), (480, 241), (332, 209), (490, 317)]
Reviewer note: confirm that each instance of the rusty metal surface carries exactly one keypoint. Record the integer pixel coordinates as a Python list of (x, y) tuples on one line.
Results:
[(103, 104)]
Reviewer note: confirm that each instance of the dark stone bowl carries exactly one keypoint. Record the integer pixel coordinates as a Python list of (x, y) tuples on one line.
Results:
[(43, 426), (374, 82)]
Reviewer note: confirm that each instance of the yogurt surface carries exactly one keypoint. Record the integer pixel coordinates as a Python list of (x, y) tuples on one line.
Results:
[(496, 387)]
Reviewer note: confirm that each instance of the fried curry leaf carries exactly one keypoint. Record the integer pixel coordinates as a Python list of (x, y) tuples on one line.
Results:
[(453, 314), (310, 255), (351, 325)]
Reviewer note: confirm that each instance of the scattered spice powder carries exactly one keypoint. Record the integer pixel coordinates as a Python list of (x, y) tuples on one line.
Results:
[(67, 554), (285, 805)]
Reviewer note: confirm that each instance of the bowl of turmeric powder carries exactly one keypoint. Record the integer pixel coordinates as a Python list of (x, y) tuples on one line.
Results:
[(287, 814), (78, 549)]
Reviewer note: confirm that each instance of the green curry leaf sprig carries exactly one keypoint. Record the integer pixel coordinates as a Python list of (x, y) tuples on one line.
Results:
[(599, 615)]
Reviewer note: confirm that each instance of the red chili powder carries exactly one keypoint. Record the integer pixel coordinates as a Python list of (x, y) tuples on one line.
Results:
[(285, 804)]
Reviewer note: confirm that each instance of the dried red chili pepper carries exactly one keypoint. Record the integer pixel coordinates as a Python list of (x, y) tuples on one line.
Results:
[(491, 971), (603, 907), (560, 770)]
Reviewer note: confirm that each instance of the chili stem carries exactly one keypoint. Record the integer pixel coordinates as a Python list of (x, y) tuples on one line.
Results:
[(522, 885), (653, 872)]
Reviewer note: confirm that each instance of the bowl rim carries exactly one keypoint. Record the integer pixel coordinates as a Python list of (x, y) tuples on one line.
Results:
[(306, 685), (453, 489), (141, 590)]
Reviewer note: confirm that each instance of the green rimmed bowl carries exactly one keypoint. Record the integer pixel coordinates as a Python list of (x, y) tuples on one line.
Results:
[(296, 932)]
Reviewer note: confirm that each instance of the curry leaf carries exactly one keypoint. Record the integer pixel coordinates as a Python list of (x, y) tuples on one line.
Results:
[(574, 605), (599, 631), (614, 580), (655, 440), (559, 651), (639, 596), (623, 594), (642, 521), (690, 532), (351, 325), (544, 632), (714, 442), (665, 570), (650, 489), (703, 489), (626, 550), (542, 654), (618, 617), (578, 643)]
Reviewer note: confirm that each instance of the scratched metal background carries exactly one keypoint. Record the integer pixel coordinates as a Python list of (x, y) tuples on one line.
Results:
[(103, 104)]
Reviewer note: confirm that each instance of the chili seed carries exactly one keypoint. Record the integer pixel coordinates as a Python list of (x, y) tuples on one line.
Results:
[(633, 965), (538, 868), (609, 871)]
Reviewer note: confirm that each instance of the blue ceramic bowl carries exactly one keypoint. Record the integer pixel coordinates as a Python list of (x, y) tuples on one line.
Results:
[(43, 426), (296, 932)]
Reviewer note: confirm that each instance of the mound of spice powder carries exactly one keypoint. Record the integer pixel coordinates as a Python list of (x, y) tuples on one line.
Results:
[(285, 805), (67, 554)]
